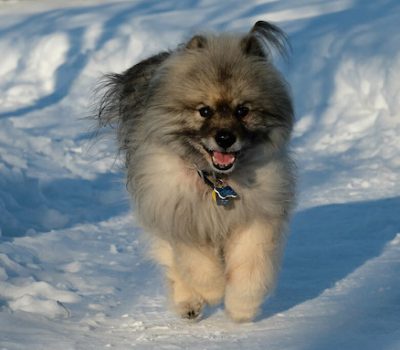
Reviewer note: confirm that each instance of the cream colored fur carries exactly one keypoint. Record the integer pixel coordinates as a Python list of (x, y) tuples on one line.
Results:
[(198, 275), (237, 252)]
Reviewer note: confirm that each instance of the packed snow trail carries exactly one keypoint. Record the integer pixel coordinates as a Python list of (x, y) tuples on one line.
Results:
[(334, 291)]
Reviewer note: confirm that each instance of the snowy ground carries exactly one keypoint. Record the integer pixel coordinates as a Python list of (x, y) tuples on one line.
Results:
[(72, 273)]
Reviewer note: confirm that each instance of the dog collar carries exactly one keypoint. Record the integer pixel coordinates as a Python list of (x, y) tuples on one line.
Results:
[(221, 193)]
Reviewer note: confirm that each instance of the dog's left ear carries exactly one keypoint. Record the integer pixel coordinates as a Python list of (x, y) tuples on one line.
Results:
[(263, 38)]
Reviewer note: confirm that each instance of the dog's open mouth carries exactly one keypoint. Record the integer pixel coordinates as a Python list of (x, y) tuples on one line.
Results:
[(223, 161)]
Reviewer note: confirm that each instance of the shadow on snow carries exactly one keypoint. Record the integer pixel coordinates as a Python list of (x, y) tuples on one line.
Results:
[(328, 243), (28, 205)]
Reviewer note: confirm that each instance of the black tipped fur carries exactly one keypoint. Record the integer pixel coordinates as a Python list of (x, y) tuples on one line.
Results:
[(125, 96)]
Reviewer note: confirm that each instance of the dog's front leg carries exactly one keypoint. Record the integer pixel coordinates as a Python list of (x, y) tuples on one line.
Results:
[(195, 274), (252, 258), (201, 267)]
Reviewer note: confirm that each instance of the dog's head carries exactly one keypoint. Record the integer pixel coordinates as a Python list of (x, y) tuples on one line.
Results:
[(216, 100)]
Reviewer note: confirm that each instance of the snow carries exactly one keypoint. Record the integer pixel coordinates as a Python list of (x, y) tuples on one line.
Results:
[(73, 274)]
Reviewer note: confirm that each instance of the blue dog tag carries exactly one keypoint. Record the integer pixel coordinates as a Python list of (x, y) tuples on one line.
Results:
[(225, 192), (224, 195)]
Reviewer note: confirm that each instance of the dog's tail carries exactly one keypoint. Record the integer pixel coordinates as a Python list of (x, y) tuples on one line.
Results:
[(122, 97)]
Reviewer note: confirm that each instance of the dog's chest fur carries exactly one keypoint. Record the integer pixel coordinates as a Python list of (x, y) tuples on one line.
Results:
[(174, 203)]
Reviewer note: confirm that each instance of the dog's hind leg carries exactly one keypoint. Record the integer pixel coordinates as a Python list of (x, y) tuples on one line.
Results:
[(252, 260)]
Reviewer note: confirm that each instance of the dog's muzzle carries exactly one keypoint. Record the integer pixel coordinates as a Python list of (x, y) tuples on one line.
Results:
[(223, 149)]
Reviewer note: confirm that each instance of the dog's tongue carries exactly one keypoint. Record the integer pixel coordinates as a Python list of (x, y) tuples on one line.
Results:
[(223, 158)]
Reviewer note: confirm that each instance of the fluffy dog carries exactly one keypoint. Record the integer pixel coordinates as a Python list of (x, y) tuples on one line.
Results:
[(205, 131)]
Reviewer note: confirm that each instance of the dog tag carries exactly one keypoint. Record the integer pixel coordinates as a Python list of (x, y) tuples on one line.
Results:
[(225, 192), (223, 195), (220, 201)]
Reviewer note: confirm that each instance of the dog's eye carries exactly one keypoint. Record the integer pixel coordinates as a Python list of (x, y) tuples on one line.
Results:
[(206, 112), (241, 111)]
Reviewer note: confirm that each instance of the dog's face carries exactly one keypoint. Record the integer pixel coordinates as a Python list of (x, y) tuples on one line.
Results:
[(223, 99)]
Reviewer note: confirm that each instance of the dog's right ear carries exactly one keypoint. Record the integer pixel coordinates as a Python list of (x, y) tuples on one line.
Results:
[(197, 42)]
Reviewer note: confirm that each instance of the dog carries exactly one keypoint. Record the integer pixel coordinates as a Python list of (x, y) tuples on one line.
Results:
[(205, 131)]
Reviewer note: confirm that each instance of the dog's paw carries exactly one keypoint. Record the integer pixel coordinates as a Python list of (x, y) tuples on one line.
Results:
[(190, 310)]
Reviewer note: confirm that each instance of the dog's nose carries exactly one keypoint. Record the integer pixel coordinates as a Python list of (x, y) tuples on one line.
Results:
[(225, 138)]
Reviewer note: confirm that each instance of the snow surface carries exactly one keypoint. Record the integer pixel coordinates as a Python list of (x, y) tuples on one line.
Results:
[(72, 271)]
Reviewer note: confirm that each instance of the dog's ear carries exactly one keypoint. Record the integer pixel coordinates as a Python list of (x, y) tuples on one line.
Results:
[(263, 38), (197, 42)]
